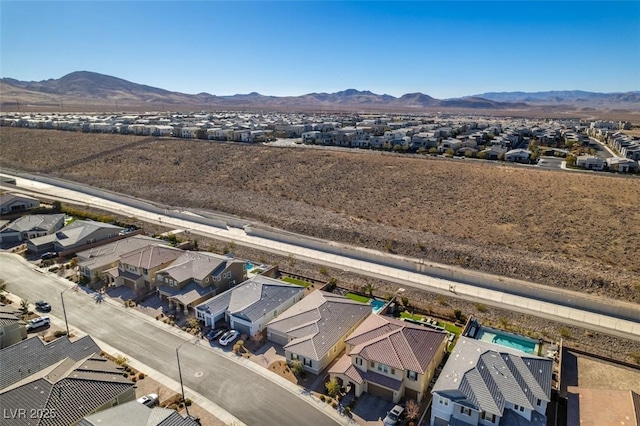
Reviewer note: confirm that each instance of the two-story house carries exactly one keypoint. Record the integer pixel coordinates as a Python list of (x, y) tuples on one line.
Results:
[(137, 269), (487, 384), (390, 358), (196, 276), (102, 261)]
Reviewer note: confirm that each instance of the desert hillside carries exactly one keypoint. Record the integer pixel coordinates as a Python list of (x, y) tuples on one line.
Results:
[(572, 230)]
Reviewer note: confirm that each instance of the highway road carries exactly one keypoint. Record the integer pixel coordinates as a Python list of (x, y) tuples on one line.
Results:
[(564, 313), (252, 398)]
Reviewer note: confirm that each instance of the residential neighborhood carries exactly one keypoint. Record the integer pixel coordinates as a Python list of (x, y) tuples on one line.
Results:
[(362, 355), (516, 140)]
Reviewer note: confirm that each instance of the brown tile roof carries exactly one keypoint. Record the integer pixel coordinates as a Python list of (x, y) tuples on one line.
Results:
[(395, 343), (344, 366), (595, 407)]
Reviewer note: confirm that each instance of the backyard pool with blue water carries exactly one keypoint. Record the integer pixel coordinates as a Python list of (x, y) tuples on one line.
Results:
[(376, 305), (508, 340)]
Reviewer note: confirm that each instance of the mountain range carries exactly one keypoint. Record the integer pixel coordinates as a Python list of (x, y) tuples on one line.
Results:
[(104, 91)]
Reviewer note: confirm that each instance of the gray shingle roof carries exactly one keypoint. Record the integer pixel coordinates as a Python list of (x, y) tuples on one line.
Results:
[(32, 355), (484, 376), (318, 322), (75, 233), (395, 343), (36, 222), (252, 298)]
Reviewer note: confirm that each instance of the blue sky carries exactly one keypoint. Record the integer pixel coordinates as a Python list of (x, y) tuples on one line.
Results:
[(444, 49)]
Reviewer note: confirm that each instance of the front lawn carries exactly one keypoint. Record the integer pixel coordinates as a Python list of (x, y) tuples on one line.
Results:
[(357, 297)]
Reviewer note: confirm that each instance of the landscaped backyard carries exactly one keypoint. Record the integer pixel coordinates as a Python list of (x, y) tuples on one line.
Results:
[(452, 328), (296, 281), (357, 297)]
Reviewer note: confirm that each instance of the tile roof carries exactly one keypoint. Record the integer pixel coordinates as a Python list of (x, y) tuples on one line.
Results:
[(36, 222), (344, 366), (110, 253), (137, 414), (252, 298), (71, 389), (32, 355), (318, 322), (197, 265), (10, 197), (191, 292), (75, 233), (484, 376), (7, 318), (395, 343), (150, 256)]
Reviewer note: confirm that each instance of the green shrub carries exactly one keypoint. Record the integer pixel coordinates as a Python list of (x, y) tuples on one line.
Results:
[(323, 398), (59, 333)]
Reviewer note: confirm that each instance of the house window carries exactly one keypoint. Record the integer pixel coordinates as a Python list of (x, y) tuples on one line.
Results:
[(307, 362), (521, 408), (488, 417), (465, 410), (538, 402), (372, 364), (294, 356), (412, 375), (358, 361), (145, 271), (443, 401), (393, 371), (227, 274), (383, 368)]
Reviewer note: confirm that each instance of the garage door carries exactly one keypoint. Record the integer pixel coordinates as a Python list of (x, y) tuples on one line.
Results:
[(383, 393), (277, 338), (242, 328), (411, 394)]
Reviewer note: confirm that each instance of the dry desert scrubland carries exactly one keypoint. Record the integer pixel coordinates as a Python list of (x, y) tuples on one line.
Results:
[(573, 230)]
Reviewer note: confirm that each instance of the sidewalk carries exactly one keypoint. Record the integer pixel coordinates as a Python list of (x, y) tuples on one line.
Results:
[(197, 398)]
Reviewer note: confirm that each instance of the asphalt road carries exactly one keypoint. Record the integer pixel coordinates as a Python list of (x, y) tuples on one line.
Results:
[(250, 397)]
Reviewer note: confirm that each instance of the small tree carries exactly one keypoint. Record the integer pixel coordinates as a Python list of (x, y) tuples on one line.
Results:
[(333, 387), (323, 270), (369, 289), (24, 306), (296, 366), (412, 409), (457, 313)]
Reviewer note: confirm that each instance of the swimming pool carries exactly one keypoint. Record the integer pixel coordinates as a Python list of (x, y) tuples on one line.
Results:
[(508, 340), (377, 305), (249, 266)]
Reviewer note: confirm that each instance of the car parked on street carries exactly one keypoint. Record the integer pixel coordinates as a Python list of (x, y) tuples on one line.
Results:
[(216, 333), (228, 337), (149, 400), (43, 306), (37, 323)]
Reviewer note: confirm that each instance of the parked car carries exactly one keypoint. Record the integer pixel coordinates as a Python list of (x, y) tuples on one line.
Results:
[(148, 400), (37, 323), (394, 416), (49, 255), (228, 337), (217, 332), (43, 306)]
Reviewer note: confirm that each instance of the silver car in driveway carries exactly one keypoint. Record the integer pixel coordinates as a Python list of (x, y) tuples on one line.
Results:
[(228, 337)]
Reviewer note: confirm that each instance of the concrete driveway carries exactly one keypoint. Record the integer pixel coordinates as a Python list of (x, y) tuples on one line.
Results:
[(372, 409)]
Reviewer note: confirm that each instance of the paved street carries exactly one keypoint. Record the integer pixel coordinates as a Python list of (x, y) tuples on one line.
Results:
[(250, 397)]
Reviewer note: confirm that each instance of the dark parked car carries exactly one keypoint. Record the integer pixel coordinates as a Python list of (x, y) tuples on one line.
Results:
[(217, 332), (43, 306), (49, 255)]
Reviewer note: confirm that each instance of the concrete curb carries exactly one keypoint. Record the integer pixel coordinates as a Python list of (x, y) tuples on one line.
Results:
[(200, 400)]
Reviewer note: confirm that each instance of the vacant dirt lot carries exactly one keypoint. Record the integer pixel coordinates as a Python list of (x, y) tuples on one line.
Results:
[(579, 231)]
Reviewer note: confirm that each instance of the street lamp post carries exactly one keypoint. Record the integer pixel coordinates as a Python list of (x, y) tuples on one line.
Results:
[(180, 373), (64, 311)]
